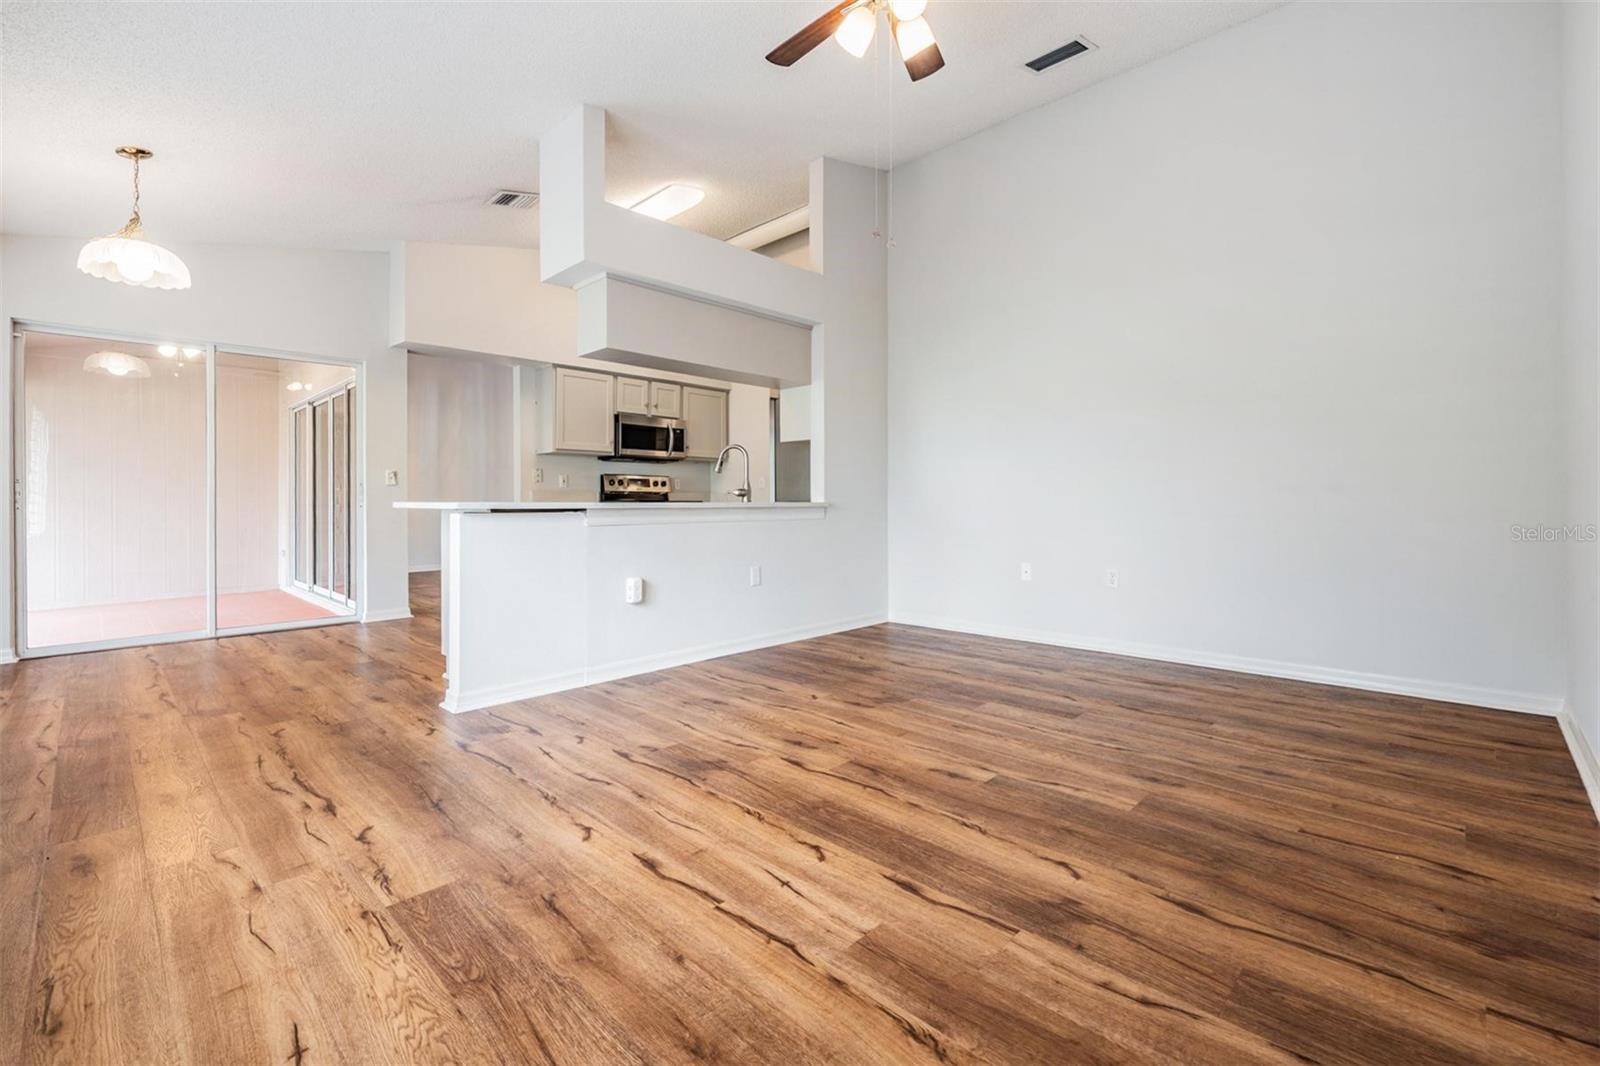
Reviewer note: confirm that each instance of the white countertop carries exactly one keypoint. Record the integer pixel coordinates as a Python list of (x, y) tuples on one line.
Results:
[(591, 505)]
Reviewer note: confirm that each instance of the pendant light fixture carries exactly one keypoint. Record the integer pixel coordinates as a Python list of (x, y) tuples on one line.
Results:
[(125, 255), (117, 365)]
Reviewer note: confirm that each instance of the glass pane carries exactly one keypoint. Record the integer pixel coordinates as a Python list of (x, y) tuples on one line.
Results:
[(114, 509), (322, 491), (302, 495), (341, 494)]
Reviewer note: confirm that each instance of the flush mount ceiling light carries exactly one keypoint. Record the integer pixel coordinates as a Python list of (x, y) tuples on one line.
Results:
[(126, 256), (117, 365), (673, 200), (854, 23)]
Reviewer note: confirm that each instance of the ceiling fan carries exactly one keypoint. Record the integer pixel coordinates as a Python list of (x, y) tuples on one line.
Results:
[(853, 23)]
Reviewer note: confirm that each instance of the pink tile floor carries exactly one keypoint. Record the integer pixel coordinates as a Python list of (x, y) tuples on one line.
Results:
[(119, 621)]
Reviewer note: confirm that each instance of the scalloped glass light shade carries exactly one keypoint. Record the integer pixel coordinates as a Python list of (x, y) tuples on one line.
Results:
[(133, 262), (117, 365)]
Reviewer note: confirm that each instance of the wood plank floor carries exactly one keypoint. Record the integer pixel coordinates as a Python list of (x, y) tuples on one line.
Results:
[(886, 846)]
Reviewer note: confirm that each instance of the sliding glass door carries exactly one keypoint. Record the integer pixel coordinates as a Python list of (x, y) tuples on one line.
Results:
[(324, 496), (113, 534), (168, 491)]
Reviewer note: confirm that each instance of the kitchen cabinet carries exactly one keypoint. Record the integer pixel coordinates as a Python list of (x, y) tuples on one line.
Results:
[(705, 415), (666, 399), (576, 408), (635, 396)]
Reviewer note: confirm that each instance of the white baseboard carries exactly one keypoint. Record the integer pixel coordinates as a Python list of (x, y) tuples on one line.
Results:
[(434, 569), (620, 668), (520, 690), (1583, 755), (1443, 691), (645, 664), (394, 614), (7, 656)]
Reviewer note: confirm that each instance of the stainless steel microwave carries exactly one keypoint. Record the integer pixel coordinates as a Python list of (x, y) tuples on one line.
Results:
[(647, 438)]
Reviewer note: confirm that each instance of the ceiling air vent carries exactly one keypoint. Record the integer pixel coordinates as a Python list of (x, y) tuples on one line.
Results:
[(1059, 55), (512, 198)]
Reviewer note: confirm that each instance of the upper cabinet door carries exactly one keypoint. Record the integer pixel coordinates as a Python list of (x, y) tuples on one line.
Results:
[(705, 414), (633, 396), (583, 415), (666, 399)]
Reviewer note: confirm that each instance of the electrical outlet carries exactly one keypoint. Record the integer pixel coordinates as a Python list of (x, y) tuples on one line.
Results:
[(633, 590), (1111, 577), (1027, 572), (562, 481), (755, 576)]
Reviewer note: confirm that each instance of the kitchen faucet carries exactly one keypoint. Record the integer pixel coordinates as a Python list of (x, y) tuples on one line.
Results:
[(722, 457)]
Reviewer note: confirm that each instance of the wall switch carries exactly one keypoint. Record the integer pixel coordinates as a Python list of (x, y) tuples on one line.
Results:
[(561, 481), (1027, 572), (538, 475), (391, 477), (1111, 577), (755, 576), (633, 590)]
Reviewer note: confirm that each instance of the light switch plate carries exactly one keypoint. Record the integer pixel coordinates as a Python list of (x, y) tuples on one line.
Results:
[(391, 477), (755, 576)]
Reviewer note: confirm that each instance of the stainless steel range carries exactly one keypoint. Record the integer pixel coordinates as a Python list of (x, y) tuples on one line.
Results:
[(635, 488)]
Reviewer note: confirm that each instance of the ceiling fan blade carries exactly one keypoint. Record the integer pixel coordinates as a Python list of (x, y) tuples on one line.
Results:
[(820, 30), (928, 61), (925, 62)]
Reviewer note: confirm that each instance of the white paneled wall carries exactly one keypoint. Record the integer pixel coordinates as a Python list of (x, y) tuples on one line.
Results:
[(251, 436), (118, 476), (117, 483)]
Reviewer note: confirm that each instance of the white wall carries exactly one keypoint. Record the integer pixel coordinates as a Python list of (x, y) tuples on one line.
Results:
[(116, 482), (1581, 27), (252, 445), (118, 475), (315, 303), (476, 299), (1270, 326), (795, 249), (460, 427)]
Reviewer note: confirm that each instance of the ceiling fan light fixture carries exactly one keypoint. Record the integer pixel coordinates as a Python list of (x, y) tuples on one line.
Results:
[(913, 36), (855, 32), (125, 256), (670, 201), (906, 10)]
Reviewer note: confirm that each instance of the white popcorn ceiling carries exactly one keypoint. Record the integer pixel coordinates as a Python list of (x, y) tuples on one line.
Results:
[(347, 125)]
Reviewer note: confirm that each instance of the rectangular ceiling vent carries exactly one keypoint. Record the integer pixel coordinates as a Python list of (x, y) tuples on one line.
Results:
[(1059, 55), (512, 198)]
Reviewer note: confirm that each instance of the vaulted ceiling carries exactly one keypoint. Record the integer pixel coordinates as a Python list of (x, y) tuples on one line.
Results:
[(352, 124)]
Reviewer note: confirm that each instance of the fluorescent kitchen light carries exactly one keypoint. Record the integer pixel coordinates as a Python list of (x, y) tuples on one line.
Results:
[(673, 200)]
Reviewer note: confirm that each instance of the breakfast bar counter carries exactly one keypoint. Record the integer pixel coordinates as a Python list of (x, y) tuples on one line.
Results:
[(540, 596)]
